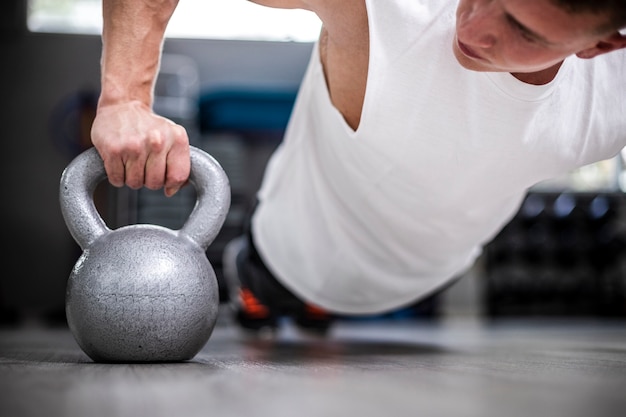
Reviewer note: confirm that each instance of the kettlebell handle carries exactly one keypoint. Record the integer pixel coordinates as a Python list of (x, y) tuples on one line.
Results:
[(86, 171)]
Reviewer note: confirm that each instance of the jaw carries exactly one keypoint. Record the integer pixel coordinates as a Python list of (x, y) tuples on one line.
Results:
[(529, 76)]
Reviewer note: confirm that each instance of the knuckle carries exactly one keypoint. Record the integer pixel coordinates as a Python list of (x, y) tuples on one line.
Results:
[(155, 140), (178, 177), (180, 134)]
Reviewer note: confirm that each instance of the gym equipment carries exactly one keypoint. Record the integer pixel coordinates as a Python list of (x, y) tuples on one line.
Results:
[(142, 292)]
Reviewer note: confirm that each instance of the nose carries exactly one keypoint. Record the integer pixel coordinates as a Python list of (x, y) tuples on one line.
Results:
[(477, 27)]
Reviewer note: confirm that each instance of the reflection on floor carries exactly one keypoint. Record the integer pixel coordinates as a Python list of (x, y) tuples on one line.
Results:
[(386, 368)]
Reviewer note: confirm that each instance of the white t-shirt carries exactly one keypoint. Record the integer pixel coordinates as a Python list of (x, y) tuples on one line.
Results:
[(370, 220)]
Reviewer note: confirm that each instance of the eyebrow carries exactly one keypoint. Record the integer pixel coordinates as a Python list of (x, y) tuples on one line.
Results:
[(526, 30)]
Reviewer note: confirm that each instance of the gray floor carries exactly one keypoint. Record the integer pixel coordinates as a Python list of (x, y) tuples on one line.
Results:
[(448, 368)]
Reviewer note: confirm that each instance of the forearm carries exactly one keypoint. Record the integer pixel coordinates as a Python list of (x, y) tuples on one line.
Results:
[(132, 38)]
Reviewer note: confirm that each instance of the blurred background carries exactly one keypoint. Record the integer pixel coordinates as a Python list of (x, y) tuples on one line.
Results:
[(229, 74)]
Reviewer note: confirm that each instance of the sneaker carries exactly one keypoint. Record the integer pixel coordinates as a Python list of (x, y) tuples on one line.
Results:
[(314, 319), (249, 312)]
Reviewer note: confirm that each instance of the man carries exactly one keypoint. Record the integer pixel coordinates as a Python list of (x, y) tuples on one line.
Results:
[(418, 128)]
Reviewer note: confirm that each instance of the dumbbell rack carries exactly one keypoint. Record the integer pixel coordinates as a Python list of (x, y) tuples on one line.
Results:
[(564, 253)]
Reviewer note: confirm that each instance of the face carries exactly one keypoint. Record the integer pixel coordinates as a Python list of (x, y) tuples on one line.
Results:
[(522, 36)]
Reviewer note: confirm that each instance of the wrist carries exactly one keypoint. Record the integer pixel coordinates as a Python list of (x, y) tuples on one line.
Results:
[(113, 93)]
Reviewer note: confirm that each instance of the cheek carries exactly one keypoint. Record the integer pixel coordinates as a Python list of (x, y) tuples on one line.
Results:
[(517, 58), (532, 54), (528, 58)]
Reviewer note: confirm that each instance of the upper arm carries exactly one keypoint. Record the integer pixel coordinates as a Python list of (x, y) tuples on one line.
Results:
[(343, 48), (342, 19), (285, 4)]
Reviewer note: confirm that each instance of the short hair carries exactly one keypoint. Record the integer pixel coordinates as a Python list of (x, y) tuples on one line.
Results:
[(615, 10)]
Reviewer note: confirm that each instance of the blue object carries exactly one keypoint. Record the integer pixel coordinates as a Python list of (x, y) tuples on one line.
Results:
[(245, 109)]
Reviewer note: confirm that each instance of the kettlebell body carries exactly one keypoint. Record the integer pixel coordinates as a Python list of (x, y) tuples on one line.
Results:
[(142, 293)]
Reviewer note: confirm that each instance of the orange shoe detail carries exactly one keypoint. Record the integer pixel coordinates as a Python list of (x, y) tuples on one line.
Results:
[(316, 312), (251, 306)]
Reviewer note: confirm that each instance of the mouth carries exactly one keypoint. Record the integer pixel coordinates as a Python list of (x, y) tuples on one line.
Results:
[(467, 51)]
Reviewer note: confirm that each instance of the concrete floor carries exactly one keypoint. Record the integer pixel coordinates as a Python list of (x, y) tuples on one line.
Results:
[(448, 368)]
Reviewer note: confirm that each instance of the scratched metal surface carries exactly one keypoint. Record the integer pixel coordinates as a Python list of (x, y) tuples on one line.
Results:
[(448, 368)]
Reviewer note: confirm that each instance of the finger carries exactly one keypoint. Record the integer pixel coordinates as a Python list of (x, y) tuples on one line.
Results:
[(135, 166), (177, 174), (178, 163), (154, 175), (114, 168), (155, 171)]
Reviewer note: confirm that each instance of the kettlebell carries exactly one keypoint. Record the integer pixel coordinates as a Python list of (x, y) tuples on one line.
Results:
[(142, 292)]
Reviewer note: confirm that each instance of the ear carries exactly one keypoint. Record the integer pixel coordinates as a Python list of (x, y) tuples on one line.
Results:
[(611, 43)]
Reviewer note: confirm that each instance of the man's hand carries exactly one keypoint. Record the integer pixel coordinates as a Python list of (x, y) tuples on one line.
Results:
[(140, 148)]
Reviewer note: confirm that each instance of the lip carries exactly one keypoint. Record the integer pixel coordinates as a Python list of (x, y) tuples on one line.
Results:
[(467, 51)]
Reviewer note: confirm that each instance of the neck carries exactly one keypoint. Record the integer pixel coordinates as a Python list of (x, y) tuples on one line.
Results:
[(539, 77)]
